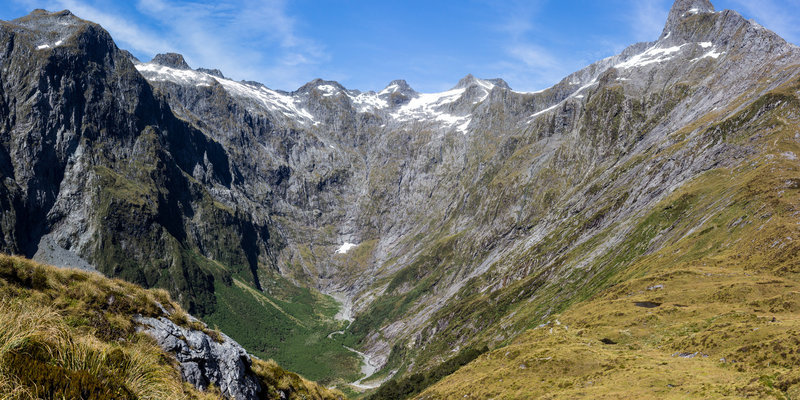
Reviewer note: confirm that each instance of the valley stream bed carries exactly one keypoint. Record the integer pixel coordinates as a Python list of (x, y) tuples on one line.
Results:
[(369, 365)]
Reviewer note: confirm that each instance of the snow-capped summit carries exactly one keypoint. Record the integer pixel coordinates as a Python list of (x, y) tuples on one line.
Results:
[(397, 92), (397, 86), (322, 87), (488, 84)]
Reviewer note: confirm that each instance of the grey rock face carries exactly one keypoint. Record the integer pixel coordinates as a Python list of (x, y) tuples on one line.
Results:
[(682, 9), (213, 72), (468, 191), (95, 163), (485, 172), (173, 60), (204, 361)]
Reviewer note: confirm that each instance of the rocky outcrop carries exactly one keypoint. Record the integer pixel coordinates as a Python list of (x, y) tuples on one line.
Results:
[(459, 208), (173, 60), (204, 360)]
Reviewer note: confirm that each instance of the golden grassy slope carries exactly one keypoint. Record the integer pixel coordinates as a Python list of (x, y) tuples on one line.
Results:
[(725, 298), (68, 334)]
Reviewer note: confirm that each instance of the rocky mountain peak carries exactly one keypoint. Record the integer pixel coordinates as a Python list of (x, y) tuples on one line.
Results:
[(471, 80), (58, 24), (322, 86), (686, 8), (212, 72), (398, 87), (499, 83), (172, 60), (466, 81)]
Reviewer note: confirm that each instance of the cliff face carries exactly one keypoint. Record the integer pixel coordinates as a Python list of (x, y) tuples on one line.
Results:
[(451, 199), (448, 220), (99, 172)]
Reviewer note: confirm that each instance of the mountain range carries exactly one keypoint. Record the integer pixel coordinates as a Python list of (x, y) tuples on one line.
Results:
[(647, 203)]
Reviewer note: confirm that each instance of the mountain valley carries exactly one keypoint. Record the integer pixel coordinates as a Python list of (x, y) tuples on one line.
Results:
[(629, 232)]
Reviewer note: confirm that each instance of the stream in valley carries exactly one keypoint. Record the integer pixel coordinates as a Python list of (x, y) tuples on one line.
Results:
[(369, 365)]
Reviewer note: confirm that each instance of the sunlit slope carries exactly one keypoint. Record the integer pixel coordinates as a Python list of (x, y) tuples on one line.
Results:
[(711, 311), (71, 334)]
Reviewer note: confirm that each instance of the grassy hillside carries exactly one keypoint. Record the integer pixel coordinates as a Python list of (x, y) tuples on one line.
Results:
[(713, 313), (285, 323), (68, 334)]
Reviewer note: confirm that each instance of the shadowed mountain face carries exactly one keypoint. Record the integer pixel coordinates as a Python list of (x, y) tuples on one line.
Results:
[(447, 220), (99, 172)]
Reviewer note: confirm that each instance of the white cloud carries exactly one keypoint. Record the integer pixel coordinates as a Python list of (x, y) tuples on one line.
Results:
[(647, 18), (533, 56), (245, 39), (121, 29), (529, 65)]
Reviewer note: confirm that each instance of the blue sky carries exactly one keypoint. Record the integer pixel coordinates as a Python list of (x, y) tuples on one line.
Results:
[(365, 44)]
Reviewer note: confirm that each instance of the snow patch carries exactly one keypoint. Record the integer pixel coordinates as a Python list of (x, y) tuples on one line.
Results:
[(160, 73), (706, 45), (485, 84), (652, 55), (267, 98), (535, 92), (389, 89), (463, 127), (576, 94), (426, 106), (50, 45), (536, 114), (328, 90), (712, 54), (426, 102), (584, 87), (368, 101), (343, 249)]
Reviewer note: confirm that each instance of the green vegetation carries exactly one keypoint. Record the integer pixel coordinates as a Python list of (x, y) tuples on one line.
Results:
[(416, 383), (715, 264), (405, 288), (288, 324), (269, 315), (69, 334), (743, 204), (276, 380)]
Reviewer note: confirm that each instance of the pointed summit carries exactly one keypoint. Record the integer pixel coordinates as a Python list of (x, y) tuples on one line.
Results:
[(685, 8), (466, 81), (399, 86)]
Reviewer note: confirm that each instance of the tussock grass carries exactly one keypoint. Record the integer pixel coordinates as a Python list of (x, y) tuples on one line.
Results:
[(725, 325), (68, 334), (275, 380), (46, 350), (719, 257)]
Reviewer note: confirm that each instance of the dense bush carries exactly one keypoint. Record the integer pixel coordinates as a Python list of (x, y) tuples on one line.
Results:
[(416, 383)]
